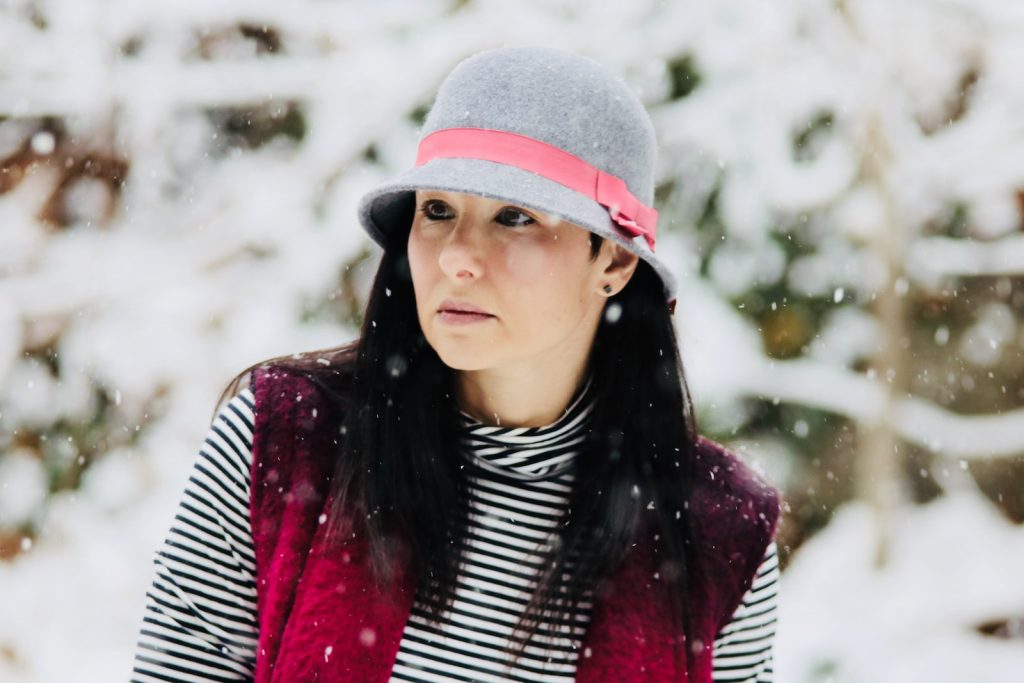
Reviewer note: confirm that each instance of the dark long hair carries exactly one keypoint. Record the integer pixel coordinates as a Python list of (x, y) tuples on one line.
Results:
[(396, 469)]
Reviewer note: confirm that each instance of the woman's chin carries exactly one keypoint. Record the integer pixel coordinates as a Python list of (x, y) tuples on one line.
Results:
[(465, 356), (466, 362)]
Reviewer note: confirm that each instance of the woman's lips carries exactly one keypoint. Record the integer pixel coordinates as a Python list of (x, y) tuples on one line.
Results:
[(460, 312), (462, 317)]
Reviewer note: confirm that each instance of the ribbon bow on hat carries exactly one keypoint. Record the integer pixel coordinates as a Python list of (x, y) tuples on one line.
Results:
[(625, 209)]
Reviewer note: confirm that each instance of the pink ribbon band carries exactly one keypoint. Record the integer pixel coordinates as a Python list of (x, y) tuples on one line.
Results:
[(529, 154)]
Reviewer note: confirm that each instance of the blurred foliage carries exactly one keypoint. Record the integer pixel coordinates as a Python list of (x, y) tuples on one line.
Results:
[(344, 304), (236, 40), (807, 142), (941, 368), (418, 115), (822, 444), (251, 127), (46, 145), (956, 105), (683, 76), (65, 447)]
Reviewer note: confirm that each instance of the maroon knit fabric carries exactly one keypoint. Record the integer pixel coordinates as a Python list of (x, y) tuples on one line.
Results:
[(323, 618)]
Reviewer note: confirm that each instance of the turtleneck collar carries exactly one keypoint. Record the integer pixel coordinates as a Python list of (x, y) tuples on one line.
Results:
[(530, 452)]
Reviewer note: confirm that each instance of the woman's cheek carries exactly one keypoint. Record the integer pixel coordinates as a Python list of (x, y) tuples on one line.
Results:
[(528, 263)]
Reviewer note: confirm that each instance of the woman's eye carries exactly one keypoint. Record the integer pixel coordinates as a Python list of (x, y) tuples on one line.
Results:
[(435, 210), (513, 217)]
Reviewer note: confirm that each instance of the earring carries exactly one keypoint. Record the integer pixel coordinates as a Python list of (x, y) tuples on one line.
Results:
[(607, 289)]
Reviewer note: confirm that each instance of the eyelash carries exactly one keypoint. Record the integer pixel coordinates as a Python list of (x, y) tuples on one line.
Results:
[(426, 206)]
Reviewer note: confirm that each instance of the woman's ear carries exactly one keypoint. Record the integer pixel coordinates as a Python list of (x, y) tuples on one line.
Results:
[(620, 265)]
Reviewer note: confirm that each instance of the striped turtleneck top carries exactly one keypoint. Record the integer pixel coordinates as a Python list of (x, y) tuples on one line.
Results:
[(200, 613)]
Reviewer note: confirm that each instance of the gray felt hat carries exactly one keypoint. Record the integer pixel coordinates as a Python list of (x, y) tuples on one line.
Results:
[(583, 133)]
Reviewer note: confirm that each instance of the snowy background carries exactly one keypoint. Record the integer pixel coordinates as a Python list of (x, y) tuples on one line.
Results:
[(842, 185)]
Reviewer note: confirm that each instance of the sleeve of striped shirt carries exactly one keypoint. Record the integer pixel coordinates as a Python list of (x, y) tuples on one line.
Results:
[(743, 650), (200, 615)]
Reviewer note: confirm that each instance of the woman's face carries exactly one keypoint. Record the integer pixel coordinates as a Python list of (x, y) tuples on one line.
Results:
[(529, 273)]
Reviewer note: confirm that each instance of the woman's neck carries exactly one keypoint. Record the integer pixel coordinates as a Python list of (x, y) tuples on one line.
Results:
[(512, 397)]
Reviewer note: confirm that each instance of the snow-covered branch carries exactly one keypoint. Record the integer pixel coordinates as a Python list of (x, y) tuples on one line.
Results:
[(826, 387), (933, 257)]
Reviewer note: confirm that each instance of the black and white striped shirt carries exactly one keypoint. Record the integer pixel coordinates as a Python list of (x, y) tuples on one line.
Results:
[(200, 618)]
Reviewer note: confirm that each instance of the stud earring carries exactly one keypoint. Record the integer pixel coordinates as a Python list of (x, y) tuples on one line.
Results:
[(607, 289)]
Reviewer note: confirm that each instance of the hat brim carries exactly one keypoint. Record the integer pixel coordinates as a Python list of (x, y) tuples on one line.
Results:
[(388, 208)]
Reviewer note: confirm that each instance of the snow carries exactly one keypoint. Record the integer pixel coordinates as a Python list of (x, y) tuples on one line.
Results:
[(213, 255), (994, 327), (954, 566), (23, 487), (736, 267)]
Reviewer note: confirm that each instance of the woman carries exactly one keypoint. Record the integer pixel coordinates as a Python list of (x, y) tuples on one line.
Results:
[(501, 479)]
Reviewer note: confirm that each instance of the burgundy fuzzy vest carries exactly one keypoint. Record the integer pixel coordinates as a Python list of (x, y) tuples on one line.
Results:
[(323, 618)]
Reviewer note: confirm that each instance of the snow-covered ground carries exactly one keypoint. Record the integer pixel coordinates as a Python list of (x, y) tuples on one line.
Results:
[(219, 256)]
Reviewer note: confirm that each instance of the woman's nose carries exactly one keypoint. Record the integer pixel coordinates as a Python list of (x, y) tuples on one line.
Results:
[(461, 254)]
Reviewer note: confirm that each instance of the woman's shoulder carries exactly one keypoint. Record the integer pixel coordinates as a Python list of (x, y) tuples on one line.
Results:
[(299, 397), (280, 387), (719, 463), (736, 514), (282, 384), (724, 484)]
